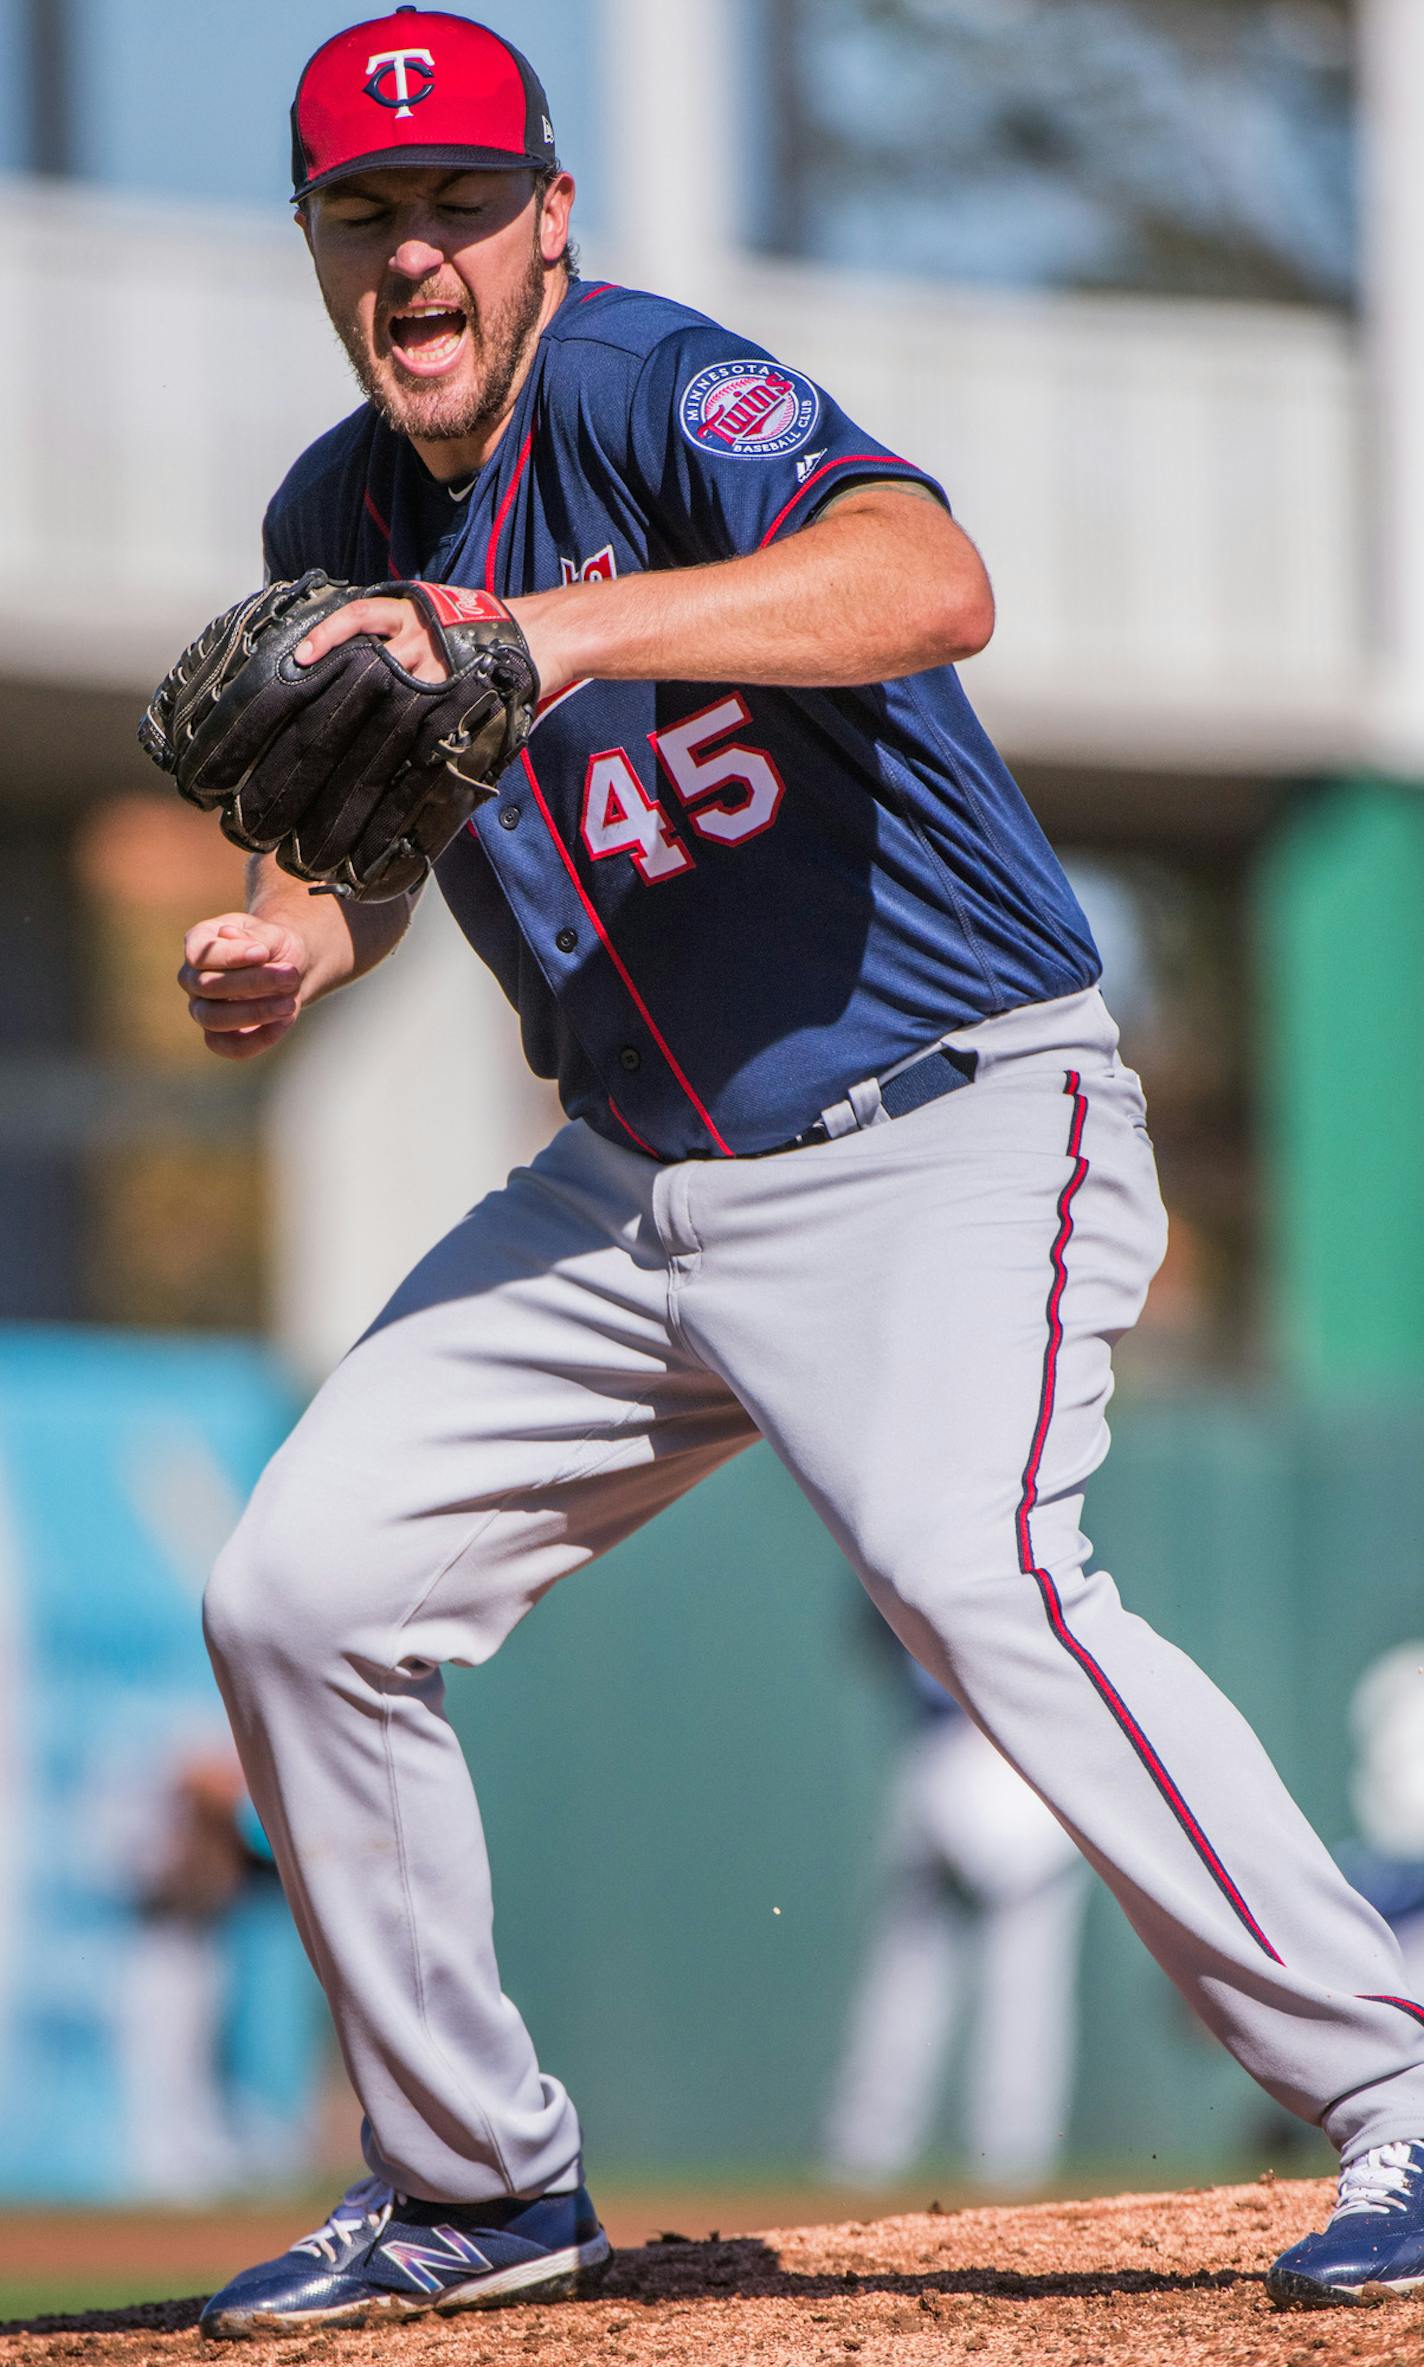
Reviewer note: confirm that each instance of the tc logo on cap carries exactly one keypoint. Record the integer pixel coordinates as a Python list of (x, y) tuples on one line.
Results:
[(393, 67), (420, 87)]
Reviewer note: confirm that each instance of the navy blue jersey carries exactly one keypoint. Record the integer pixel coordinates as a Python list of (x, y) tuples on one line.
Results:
[(715, 906)]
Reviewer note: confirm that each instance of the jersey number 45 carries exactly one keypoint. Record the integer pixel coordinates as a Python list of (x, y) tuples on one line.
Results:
[(729, 793)]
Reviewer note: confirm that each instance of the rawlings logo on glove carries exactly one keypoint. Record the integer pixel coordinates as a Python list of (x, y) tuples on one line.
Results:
[(350, 771)]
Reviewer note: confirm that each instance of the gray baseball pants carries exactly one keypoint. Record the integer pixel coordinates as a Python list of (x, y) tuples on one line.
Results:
[(919, 1316)]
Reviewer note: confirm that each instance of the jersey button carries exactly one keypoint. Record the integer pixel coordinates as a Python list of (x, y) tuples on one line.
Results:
[(566, 940), (509, 817), (630, 1057)]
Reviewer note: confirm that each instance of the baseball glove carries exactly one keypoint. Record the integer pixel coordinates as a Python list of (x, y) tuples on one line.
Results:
[(353, 773)]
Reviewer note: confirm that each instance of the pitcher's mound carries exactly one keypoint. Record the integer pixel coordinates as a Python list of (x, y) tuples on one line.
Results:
[(1140, 2278)]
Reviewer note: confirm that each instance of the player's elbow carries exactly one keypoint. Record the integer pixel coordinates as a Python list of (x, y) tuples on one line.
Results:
[(954, 620), (950, 629), (965, 605), (969, 618)]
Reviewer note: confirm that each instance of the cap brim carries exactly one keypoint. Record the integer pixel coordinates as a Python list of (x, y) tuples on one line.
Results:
[(384, 160)]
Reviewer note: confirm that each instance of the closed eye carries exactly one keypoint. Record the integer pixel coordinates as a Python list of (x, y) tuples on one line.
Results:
[(381, 214)]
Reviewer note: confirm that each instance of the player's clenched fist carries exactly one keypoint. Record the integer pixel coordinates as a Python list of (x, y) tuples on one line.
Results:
[(243, 978)]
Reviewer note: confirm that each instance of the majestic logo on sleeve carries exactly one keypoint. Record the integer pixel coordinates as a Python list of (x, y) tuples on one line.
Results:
[(400, 78), (749, 410)]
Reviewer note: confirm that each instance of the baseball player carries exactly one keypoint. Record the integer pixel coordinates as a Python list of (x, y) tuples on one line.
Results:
[(850, 1164)]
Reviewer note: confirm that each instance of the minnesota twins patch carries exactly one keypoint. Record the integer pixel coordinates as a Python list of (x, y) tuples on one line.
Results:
[(748, 410)]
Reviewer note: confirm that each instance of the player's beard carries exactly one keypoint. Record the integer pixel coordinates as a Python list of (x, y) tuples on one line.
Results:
[(435, 411)]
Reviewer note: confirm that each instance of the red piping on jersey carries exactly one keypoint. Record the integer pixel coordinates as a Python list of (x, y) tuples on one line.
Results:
[(618, 963), (504, 509), (1031, 1569), (1406, 2005), (604, 288), (547, 706), (372, 512), (567, 860), (846, 461), (630, 1130)]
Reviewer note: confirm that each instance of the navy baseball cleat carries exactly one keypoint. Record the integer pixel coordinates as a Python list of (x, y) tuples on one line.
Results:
[(383, 2255), (1373, 2246)]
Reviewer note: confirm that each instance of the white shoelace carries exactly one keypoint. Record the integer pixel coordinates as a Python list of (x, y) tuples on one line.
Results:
[(1379, 2181), (362, 2210)]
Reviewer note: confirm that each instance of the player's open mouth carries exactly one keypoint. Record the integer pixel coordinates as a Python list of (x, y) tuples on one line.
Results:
[(427, 342)]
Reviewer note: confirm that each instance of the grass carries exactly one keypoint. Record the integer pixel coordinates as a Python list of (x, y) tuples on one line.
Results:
[(43, 2297)]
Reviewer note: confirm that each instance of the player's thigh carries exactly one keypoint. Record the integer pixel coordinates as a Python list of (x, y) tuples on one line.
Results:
[(516, 1409), (935, 1364)]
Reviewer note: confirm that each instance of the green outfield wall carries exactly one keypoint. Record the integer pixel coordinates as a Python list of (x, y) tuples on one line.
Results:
[(697, 1731), (1339, 932)]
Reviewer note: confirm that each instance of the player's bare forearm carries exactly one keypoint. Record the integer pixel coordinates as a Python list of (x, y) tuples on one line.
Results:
[(248, 976), (883, 584)]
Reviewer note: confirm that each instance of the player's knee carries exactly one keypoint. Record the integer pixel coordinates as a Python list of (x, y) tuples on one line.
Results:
[(948, 1574), (273, 1597), (239, 1610), (964, 1614)]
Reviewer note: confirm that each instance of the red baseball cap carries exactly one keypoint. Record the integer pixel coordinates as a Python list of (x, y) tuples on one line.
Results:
[(421, 86)]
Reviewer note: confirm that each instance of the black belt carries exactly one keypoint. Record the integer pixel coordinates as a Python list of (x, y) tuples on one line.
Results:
[(936, 1072)]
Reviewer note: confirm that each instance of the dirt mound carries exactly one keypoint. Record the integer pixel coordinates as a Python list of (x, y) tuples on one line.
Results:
[(1141, 2278)]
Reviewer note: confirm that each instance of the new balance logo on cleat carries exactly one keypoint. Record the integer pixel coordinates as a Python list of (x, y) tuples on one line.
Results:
[(387, 2256), (428, 2265)]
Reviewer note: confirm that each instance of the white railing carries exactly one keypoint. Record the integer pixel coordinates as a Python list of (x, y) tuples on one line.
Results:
[(162, 370), (1169, 496)]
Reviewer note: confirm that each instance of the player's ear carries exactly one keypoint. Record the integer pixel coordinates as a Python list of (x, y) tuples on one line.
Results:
[(556, 206), (303, 221)]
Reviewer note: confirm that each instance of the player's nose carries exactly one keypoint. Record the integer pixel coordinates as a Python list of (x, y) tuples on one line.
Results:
[(416, 258)]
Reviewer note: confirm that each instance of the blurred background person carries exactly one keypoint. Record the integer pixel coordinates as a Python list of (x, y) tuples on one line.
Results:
[(976, 1932), (219, 2026)]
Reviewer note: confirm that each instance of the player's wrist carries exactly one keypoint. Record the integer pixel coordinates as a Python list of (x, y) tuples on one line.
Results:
[(311, 934), (561, 628)]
